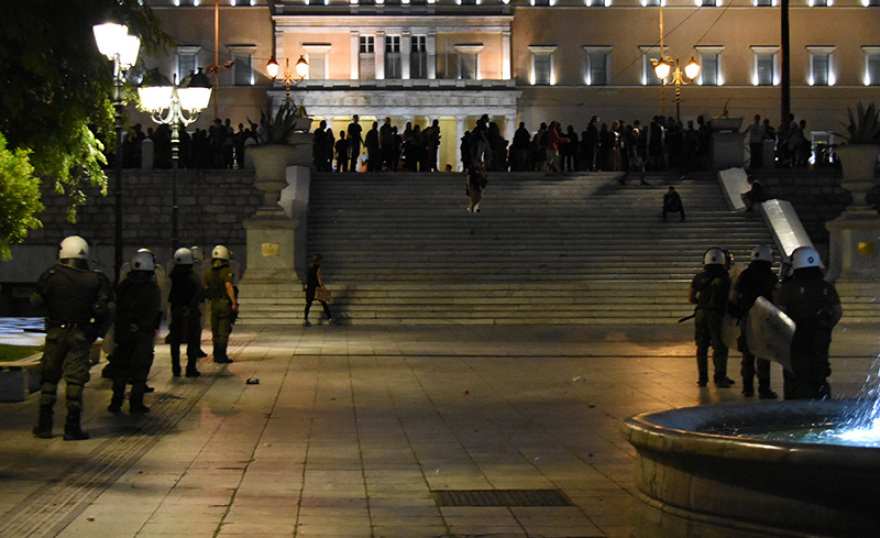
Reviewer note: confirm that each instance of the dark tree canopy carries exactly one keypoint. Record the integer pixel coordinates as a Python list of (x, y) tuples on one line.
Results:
[(56, 86)]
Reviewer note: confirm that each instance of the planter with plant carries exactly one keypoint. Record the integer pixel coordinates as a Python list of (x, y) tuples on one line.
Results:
[(858, 157), (276, 149)]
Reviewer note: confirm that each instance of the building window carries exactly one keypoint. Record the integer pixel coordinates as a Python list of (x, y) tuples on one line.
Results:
[(764, 3), (469, 61), (367, 58), (467, 2), (595, 3), (871, 3), (707, 3), (765, 71), (821, 67), (187, 61), (598, 65), (872, 66), (243, 69), (392, 57), (819, 3), (418, 58), (710, 66), (650, 56), (542, 65), (316, 55), (651, 3)]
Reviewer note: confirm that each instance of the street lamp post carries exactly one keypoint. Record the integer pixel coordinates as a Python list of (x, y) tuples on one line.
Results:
[(173, 105), (302, 69), (122, 49), (680, 77)]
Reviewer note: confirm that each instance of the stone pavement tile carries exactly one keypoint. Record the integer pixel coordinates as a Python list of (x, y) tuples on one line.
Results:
[(410, 532), (554, 521), (334, 531)]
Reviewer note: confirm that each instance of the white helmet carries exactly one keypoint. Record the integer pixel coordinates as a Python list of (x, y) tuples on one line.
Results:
[(714, 256), (220, 252), (73, 247), (762, 253), (143, 261), (183, 256), (804, 257)]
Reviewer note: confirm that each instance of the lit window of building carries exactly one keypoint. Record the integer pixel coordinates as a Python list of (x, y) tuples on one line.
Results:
[(765, 71), (542, 65), (418, 57), (821, 67), (469, 61), (598, 61), (316, 55), (710, 66), (872, 66), (242, 64), (187, 61), (392, 57), (650, 55), (367, 58)]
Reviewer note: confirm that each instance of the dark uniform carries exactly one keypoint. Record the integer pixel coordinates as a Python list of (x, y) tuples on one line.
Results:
[(186, 296), (814, 305), (709, 291), (222, 306), (757, 280), (79, 304), (138, 311)]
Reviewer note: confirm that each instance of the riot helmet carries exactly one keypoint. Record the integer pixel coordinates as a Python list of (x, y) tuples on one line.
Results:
[(715, 256), (143, 261), (220, 252), (762, 253), (183, 256), (73, 247), (804, 257)]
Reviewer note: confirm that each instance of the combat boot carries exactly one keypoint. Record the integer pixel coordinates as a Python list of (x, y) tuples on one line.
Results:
[(136, 400), (43, 429), (175, 361), (72, 429), (191, 369)]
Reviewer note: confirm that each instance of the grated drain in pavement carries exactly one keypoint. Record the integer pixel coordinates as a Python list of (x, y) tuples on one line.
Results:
[(500, 497)]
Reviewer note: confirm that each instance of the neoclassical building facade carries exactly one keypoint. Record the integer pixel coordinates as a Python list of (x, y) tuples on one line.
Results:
[(525, 60)]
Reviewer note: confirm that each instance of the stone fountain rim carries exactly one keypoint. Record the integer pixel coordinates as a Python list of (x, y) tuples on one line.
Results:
[(676, 431)]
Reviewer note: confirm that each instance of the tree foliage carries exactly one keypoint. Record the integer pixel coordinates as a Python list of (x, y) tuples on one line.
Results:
[(19, 198), (56, 87)]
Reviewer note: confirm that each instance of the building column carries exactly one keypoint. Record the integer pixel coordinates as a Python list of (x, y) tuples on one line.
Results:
[(355, 55), (460, 128), (505, 55), (432, 55), (405, 52), (379, 54)]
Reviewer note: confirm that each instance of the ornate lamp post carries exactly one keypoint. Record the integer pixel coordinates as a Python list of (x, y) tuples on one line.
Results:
[(302, 69), (173, 105), (122, 49), (680, 77)]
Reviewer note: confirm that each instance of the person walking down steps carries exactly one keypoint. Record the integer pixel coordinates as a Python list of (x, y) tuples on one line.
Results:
[(315, 290)]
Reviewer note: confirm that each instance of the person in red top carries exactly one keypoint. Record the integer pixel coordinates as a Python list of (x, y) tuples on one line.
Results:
[(553, 141)]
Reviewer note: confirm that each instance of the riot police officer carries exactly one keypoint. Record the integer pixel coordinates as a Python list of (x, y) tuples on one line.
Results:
[(757, 280), (79, 304), (709, 291), (186, 296), (814, 305), (221, 293), (138, 312)]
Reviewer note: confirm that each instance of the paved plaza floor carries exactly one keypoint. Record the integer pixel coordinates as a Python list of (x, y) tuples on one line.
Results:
[(355, 432)]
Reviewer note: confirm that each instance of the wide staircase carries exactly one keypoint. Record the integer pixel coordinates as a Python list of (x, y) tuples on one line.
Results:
[(569, 249)]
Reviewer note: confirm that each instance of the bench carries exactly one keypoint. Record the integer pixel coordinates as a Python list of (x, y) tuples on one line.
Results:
[(20, 378), (734, 182)]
